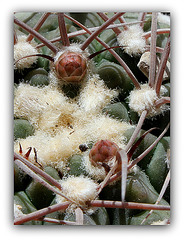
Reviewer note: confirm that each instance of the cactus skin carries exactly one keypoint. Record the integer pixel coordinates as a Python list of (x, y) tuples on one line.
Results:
[(100, 217), (156, 216), (139, 188), (20, 198), (110, 70), (157, 169), (21, 179), (22, 128), (117, 111), (75, 166), (39, 80), (33, 72), (39, 195)]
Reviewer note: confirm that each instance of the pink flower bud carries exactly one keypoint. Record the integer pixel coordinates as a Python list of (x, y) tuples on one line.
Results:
[(71, 67), (102, 152)]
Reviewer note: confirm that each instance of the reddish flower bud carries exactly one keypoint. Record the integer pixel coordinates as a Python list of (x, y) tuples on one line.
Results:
[(102, 152), (71, 67)]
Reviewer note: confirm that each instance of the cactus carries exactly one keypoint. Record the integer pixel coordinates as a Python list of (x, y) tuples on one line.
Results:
[(91, 109)]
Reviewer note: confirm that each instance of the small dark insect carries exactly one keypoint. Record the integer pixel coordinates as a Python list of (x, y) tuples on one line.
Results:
[(83, 147)]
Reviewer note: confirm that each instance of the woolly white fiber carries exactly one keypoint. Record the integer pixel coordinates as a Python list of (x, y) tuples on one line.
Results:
[(79, 189), (95, 95), (132, 40), (30, 102), (62, 124), (22, 49), (104, 127), (144, 99)]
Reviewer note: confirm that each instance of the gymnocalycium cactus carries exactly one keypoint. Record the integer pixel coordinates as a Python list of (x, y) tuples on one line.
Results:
[(91, 127)]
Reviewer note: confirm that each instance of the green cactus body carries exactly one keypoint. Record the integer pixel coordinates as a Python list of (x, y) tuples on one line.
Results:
[(20, 198), (58, 215), (145, 143), (76, 166), (112, 192), (34, 72), (99, 217), (118, 216), (21, 179), (114, 76), (156, 217), (157, 168), (39, 80), (117, 111), (139, 188), (39, 195), (22, 128)]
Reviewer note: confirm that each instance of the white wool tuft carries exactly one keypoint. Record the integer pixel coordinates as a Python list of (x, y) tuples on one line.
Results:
[(95, 95), (132, 40), (79, 189), (39, 141), (55, 119), (22, 49), (61, 125), (144, 99), (104, 127), (30, 102), (53, 150)]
